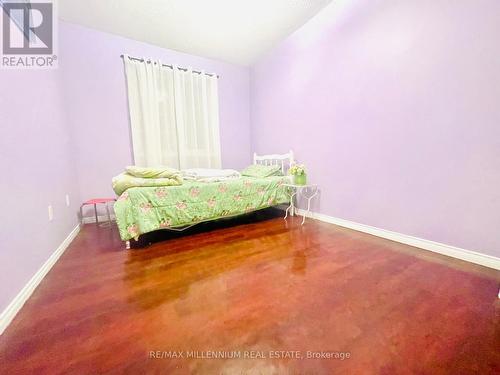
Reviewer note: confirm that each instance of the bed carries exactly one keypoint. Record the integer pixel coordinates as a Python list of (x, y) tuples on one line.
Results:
[(141, 210)]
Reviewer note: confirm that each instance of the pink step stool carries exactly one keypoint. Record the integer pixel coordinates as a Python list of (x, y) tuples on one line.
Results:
[(95, 202)]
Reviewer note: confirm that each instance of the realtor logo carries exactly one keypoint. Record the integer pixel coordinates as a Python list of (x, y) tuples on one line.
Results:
[(28, 34)]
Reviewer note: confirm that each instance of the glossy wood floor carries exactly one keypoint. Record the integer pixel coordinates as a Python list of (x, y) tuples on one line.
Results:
[(256, 285)]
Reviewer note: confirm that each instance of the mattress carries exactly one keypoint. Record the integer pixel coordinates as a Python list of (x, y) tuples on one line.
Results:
[(140, 210)]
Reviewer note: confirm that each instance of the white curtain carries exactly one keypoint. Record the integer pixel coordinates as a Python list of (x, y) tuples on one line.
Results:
[(174, 116)]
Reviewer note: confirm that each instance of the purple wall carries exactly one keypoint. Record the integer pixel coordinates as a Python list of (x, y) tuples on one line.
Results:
[(394, 108), (94, 85), (36, 156)]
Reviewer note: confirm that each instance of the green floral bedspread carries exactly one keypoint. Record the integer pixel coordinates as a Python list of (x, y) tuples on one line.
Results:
[(141, 210)]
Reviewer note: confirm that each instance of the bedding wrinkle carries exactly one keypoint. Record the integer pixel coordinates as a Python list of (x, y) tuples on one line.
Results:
[(209, 174)]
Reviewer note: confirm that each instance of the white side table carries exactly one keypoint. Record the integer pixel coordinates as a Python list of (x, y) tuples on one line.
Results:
[(307, 191)]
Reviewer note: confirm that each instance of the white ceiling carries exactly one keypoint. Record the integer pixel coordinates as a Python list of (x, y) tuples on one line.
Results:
[(236, 31)]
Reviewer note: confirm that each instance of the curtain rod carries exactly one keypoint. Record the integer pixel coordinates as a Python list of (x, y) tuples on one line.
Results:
[(169, 66)]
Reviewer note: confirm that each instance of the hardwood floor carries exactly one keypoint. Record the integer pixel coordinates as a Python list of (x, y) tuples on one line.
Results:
[(250, 286)]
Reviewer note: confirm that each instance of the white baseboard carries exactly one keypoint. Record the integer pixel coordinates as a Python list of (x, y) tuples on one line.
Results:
[(452, 251), (102, 219), (13, 308)]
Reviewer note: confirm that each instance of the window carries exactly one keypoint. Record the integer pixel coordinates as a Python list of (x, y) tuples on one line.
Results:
[(174, 115)]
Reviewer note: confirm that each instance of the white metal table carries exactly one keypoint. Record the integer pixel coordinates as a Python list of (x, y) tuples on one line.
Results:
[(307, 191)]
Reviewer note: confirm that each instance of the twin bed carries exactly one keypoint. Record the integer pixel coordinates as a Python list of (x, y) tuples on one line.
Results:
[(145, 209)]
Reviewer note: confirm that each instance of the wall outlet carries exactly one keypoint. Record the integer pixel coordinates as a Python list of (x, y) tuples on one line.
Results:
[(51, 212), (67, 200)]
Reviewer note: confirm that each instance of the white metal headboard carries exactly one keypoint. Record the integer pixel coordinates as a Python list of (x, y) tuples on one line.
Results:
[(285, 160)]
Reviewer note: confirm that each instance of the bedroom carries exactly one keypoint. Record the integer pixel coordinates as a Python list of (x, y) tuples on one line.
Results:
[(390, 106)]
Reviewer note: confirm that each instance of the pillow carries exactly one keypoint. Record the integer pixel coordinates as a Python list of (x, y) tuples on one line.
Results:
[(260, 171), (152, 172)]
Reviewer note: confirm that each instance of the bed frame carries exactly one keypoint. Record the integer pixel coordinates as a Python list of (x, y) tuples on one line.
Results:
[(285, 160)]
